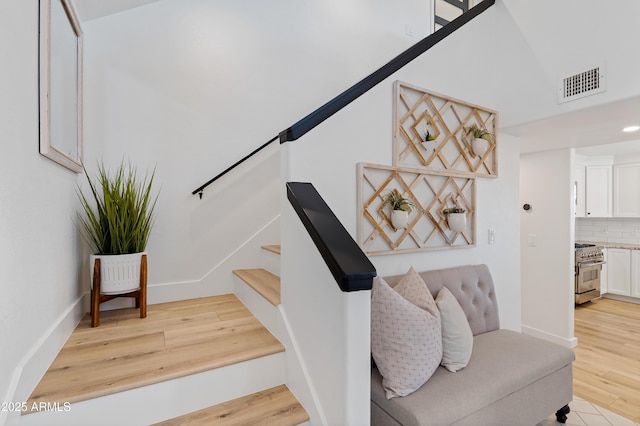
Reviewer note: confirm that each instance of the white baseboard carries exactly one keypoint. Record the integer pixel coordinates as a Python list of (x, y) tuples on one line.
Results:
[(36, 362), (219, 279), (621, 298), (569, 343), (298, 377)]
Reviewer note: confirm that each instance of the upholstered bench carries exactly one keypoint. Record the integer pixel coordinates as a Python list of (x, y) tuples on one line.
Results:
[(511, 378)]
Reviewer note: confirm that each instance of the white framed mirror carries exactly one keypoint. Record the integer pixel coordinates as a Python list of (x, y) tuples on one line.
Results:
[(61, 83)]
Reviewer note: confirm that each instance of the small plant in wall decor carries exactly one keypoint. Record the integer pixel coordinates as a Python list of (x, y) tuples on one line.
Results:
[(481, 139), (116, 220), (400, 208), (427, 137), (456, 218)]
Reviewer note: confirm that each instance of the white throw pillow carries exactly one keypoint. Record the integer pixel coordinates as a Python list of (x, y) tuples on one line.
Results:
[(406, 340), (457, 338)]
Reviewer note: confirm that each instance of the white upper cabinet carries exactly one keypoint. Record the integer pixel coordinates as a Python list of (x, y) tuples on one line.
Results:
[(598, 189), (626, 190)]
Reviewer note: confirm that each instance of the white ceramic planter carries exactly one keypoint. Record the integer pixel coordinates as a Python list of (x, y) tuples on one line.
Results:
[(479, 146), (399, 219), (119, 273), (457, 221)]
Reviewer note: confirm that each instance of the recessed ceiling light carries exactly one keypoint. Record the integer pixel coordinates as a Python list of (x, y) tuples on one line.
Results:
[(629, 129)]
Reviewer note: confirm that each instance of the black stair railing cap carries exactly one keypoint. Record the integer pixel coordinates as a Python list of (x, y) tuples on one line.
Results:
[(348, 264)]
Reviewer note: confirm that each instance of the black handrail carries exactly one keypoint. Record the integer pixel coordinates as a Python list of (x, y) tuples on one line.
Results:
[(228, 169), (350, 267), (354, 92)]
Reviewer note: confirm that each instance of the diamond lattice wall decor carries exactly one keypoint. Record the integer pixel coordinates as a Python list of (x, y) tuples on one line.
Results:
[(431, 192), (417, 110)]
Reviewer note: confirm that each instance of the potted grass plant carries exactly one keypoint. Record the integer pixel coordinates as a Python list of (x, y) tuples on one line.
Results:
[(116, 220), (400, 208)]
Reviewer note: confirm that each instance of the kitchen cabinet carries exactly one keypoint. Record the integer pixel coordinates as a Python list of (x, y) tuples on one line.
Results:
[(599, 191), (619, 269), (604, 274), (635, 273), (579, 190), (626, 190)]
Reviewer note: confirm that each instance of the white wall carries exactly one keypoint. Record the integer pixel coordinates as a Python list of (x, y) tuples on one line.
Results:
[(547, 235), (363, 133), (39, 247), (192, 86), (556, 39)]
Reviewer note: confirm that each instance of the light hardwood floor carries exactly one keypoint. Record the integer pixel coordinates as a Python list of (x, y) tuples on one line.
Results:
[(607, 367), (176, 339)]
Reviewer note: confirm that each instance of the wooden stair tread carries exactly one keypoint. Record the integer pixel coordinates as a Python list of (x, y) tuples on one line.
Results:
[(262, 281), (176, 339), (274, 248), (275, 406)]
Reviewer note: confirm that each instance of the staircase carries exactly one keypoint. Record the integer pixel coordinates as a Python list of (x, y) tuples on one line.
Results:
[(207, 361)]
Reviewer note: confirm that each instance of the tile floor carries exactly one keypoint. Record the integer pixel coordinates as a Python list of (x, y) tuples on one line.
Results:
[(584, 413)]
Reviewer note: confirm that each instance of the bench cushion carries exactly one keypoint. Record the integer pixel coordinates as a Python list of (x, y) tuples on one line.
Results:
[(502, 362)]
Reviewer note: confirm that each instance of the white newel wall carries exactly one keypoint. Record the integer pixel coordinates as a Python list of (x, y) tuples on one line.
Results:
[(547, 232), (331, 330)]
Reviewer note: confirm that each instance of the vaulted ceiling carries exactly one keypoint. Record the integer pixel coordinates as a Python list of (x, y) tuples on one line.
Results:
[(584, 128)]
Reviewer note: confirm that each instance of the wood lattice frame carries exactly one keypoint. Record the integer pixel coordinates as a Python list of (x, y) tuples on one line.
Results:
[(416, 110), (431, 192)]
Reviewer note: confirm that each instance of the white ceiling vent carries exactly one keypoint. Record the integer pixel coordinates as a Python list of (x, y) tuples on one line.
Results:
[(583, 84)]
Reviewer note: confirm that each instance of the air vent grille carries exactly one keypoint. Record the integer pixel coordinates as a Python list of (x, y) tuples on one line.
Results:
[(582, 84)]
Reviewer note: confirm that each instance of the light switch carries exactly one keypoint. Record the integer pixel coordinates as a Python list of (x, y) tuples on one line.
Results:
[(532, 240), (492, 236)]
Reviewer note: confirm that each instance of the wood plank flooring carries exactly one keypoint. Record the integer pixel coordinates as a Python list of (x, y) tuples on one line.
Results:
[(175, 340), (607, 367), (275, 406)]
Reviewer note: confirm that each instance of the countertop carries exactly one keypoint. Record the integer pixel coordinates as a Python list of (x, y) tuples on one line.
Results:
[(612, 245)]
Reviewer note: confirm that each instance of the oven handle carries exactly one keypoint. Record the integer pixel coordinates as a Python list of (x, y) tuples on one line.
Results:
[(590, 264)]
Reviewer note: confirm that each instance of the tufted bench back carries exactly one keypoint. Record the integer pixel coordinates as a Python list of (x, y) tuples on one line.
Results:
[(472, 286)]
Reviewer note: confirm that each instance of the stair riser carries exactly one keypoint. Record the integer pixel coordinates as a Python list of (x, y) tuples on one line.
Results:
[(270, 261), (171, 398), (260, 307)]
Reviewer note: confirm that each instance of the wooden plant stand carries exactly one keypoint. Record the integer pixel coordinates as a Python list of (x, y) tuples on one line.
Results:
[(140, 295)]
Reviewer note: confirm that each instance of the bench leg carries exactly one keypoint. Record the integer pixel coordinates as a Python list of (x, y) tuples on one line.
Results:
[(561, 414)]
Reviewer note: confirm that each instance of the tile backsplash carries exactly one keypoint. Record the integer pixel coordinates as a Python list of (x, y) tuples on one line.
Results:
[(608, 230)]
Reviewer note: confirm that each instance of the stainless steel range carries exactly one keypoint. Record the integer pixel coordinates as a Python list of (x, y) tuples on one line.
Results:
[(589, 260)]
